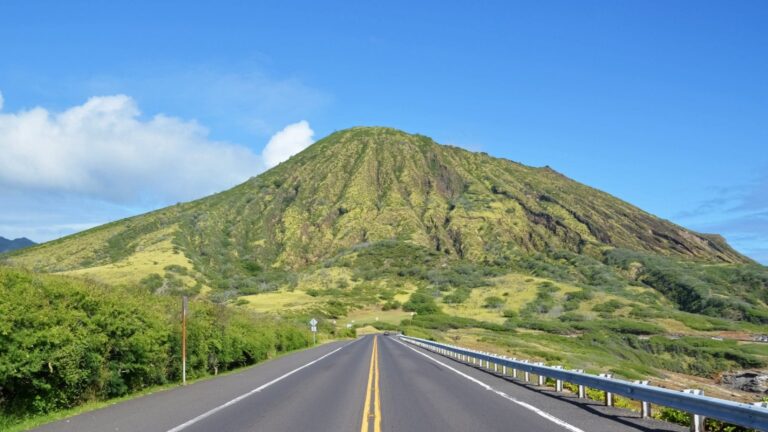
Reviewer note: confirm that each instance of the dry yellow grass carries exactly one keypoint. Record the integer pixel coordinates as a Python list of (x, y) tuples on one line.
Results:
[(515, 289), (370, 315), (279, 301), (367, 330), (154, 253)]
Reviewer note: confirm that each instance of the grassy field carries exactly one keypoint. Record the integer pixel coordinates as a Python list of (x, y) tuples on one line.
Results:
[(367, 316), (153, 255), (279, 301), (516, 290)]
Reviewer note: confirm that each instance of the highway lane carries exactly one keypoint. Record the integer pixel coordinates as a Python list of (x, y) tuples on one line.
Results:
[(465, 398), (372, 384), (164, 410)]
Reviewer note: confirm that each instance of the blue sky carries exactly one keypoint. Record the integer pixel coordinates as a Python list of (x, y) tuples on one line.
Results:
[(661, 103)]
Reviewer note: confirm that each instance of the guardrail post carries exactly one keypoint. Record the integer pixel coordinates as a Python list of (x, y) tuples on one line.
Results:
[(697, 421), (558, 382), (495, 366), (541, 378), (608, 395), (645, 407), (504, 367), (582, 391)]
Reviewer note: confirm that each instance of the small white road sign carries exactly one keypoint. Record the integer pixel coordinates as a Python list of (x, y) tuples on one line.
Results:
[(313, 322)]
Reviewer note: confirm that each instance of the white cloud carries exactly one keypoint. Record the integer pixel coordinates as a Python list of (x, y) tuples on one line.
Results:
[(286, 143), (104, 149)]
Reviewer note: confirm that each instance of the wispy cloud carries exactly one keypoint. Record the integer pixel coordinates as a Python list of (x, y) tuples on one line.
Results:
[(738, 212), (249, 100)]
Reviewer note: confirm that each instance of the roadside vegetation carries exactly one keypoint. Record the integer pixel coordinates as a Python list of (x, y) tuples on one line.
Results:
[(65, 341)]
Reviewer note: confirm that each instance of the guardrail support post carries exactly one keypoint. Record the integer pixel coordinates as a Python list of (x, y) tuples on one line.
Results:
[(514, 371), (645, 407), (582, 391), (504, 367), (608, 395), (558, 382), (541, 378), (697, 421), (526, 374)]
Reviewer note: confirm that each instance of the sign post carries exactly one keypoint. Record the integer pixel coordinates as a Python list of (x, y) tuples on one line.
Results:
[(184, 301), (313, 327)]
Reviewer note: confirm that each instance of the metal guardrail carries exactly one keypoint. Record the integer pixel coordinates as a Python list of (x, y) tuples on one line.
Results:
[(742, 414)]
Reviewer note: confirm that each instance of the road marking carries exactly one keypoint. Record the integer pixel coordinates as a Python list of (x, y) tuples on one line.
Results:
[(525, 405), (372, 387), (364, 426), (252, 392), (376, 398)]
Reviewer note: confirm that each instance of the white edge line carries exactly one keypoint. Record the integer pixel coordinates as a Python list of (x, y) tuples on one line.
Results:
[(256, 390), (525, 405)]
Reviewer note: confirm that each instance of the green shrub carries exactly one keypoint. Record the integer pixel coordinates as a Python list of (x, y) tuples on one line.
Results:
[(510, 313), (493, 302), (421, 303), (608, 307), (459, 295), (391, 305)]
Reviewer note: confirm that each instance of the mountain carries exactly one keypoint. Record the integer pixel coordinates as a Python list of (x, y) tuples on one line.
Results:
[(369, 184), (7, 245), (371, 225)]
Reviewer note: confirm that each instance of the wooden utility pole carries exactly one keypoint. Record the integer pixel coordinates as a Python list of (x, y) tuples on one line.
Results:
[(184, 340)]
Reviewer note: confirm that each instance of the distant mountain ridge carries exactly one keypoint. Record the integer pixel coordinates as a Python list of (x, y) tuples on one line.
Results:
[(7, 245)]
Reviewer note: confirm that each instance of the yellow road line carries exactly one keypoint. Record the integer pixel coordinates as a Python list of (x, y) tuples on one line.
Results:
[(376, 400), (373, 387)]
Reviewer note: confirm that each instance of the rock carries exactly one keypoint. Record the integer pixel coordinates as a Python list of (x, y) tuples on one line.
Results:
[(749, 381)]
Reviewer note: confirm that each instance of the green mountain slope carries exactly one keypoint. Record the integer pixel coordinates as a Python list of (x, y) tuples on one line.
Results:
[(370, 184)]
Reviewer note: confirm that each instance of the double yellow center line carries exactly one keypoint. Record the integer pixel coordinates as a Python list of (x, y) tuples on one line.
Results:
[(372, 411)]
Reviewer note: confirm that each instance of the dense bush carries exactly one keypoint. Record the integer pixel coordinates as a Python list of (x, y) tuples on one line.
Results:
[(64, 341), (443, 322), (421, 303), (543, 302), (736, 292), (608, 307), (459, 295), (493, 302)]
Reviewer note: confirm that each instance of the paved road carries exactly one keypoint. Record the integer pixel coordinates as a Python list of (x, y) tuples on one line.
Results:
[(368, 385)]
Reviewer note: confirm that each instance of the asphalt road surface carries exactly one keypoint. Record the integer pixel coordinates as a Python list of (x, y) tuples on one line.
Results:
[(371, 384)]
